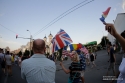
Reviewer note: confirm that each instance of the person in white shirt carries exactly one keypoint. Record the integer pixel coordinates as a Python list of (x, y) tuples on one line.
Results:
[(8, 63), (87, 58), (38, 68), (16, 60), (19, 60)]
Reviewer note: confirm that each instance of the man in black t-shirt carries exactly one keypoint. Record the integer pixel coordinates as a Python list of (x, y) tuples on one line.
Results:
[(112, 59)]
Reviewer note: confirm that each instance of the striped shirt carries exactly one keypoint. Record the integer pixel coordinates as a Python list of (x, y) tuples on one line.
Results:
[(75, 74), (38, 69)]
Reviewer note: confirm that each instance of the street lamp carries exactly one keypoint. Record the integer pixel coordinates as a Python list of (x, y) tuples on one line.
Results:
[(30, 41)]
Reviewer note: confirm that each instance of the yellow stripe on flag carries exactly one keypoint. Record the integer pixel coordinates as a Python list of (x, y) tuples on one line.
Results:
[(75, 46)]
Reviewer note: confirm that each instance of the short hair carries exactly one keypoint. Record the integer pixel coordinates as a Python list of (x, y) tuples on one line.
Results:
[(38, 48), (8, 52)]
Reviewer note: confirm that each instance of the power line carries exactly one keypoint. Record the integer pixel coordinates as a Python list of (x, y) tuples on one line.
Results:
[(53, 22), (61, 15), (9, 29)]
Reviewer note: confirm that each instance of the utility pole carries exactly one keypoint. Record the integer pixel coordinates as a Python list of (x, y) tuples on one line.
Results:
[(27, 38), (30, 43)]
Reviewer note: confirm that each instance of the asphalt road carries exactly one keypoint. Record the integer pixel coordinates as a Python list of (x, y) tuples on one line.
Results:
[(94, 75)]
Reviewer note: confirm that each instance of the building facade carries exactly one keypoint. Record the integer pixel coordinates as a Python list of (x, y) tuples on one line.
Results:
[(48, 43), (119, 24)]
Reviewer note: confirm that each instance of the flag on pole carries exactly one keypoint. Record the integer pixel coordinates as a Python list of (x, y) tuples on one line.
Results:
[(104, 15), (61, 40)]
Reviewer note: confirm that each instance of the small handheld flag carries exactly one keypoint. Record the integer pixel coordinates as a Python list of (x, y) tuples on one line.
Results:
[(104, 15)]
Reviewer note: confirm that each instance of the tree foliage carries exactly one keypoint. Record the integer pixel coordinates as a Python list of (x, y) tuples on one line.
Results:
[(32, 52), (20, 53), (104, 41), (27, 52)]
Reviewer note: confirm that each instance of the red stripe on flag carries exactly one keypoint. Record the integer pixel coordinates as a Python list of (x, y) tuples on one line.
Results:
[(59, 41)]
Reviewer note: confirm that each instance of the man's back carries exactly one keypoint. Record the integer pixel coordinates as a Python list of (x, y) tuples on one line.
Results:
[(8, 59), (38, 69)]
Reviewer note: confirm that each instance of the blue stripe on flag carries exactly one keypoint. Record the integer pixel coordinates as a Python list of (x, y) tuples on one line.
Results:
[(71, 47), (56, 48), (66, 42), (102, 19), (65, 48)]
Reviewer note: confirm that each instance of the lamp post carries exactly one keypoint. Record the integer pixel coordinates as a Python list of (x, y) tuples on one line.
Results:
[(30, 41)]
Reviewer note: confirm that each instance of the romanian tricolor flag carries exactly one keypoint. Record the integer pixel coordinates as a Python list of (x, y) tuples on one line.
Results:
[(104, 15), (75, 46)]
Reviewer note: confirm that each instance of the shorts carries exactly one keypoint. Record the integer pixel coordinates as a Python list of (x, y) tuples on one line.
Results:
[(82, 73), (111, 66)]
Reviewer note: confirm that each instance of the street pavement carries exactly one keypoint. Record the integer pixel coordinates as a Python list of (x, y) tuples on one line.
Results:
[(94, 75)]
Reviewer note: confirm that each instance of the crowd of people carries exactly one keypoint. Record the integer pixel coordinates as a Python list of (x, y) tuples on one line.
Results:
[(7, 60), (40, 69)]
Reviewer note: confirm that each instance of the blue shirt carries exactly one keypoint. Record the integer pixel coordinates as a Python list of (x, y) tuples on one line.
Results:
[(82, 61), (38, 69)]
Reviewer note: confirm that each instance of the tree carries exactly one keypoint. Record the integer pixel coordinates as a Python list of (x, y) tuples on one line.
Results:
[(32, 52), (104, 41), (27, 52), (20, 53)]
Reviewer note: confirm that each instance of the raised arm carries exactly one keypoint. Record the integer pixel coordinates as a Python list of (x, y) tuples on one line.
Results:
[(64, 69), (111, 29)]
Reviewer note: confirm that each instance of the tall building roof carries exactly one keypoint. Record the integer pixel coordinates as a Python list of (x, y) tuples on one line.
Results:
[(45, 36), (50, 34)]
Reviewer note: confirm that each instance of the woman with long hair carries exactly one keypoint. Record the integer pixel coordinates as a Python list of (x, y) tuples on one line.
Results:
[(74, 69)]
